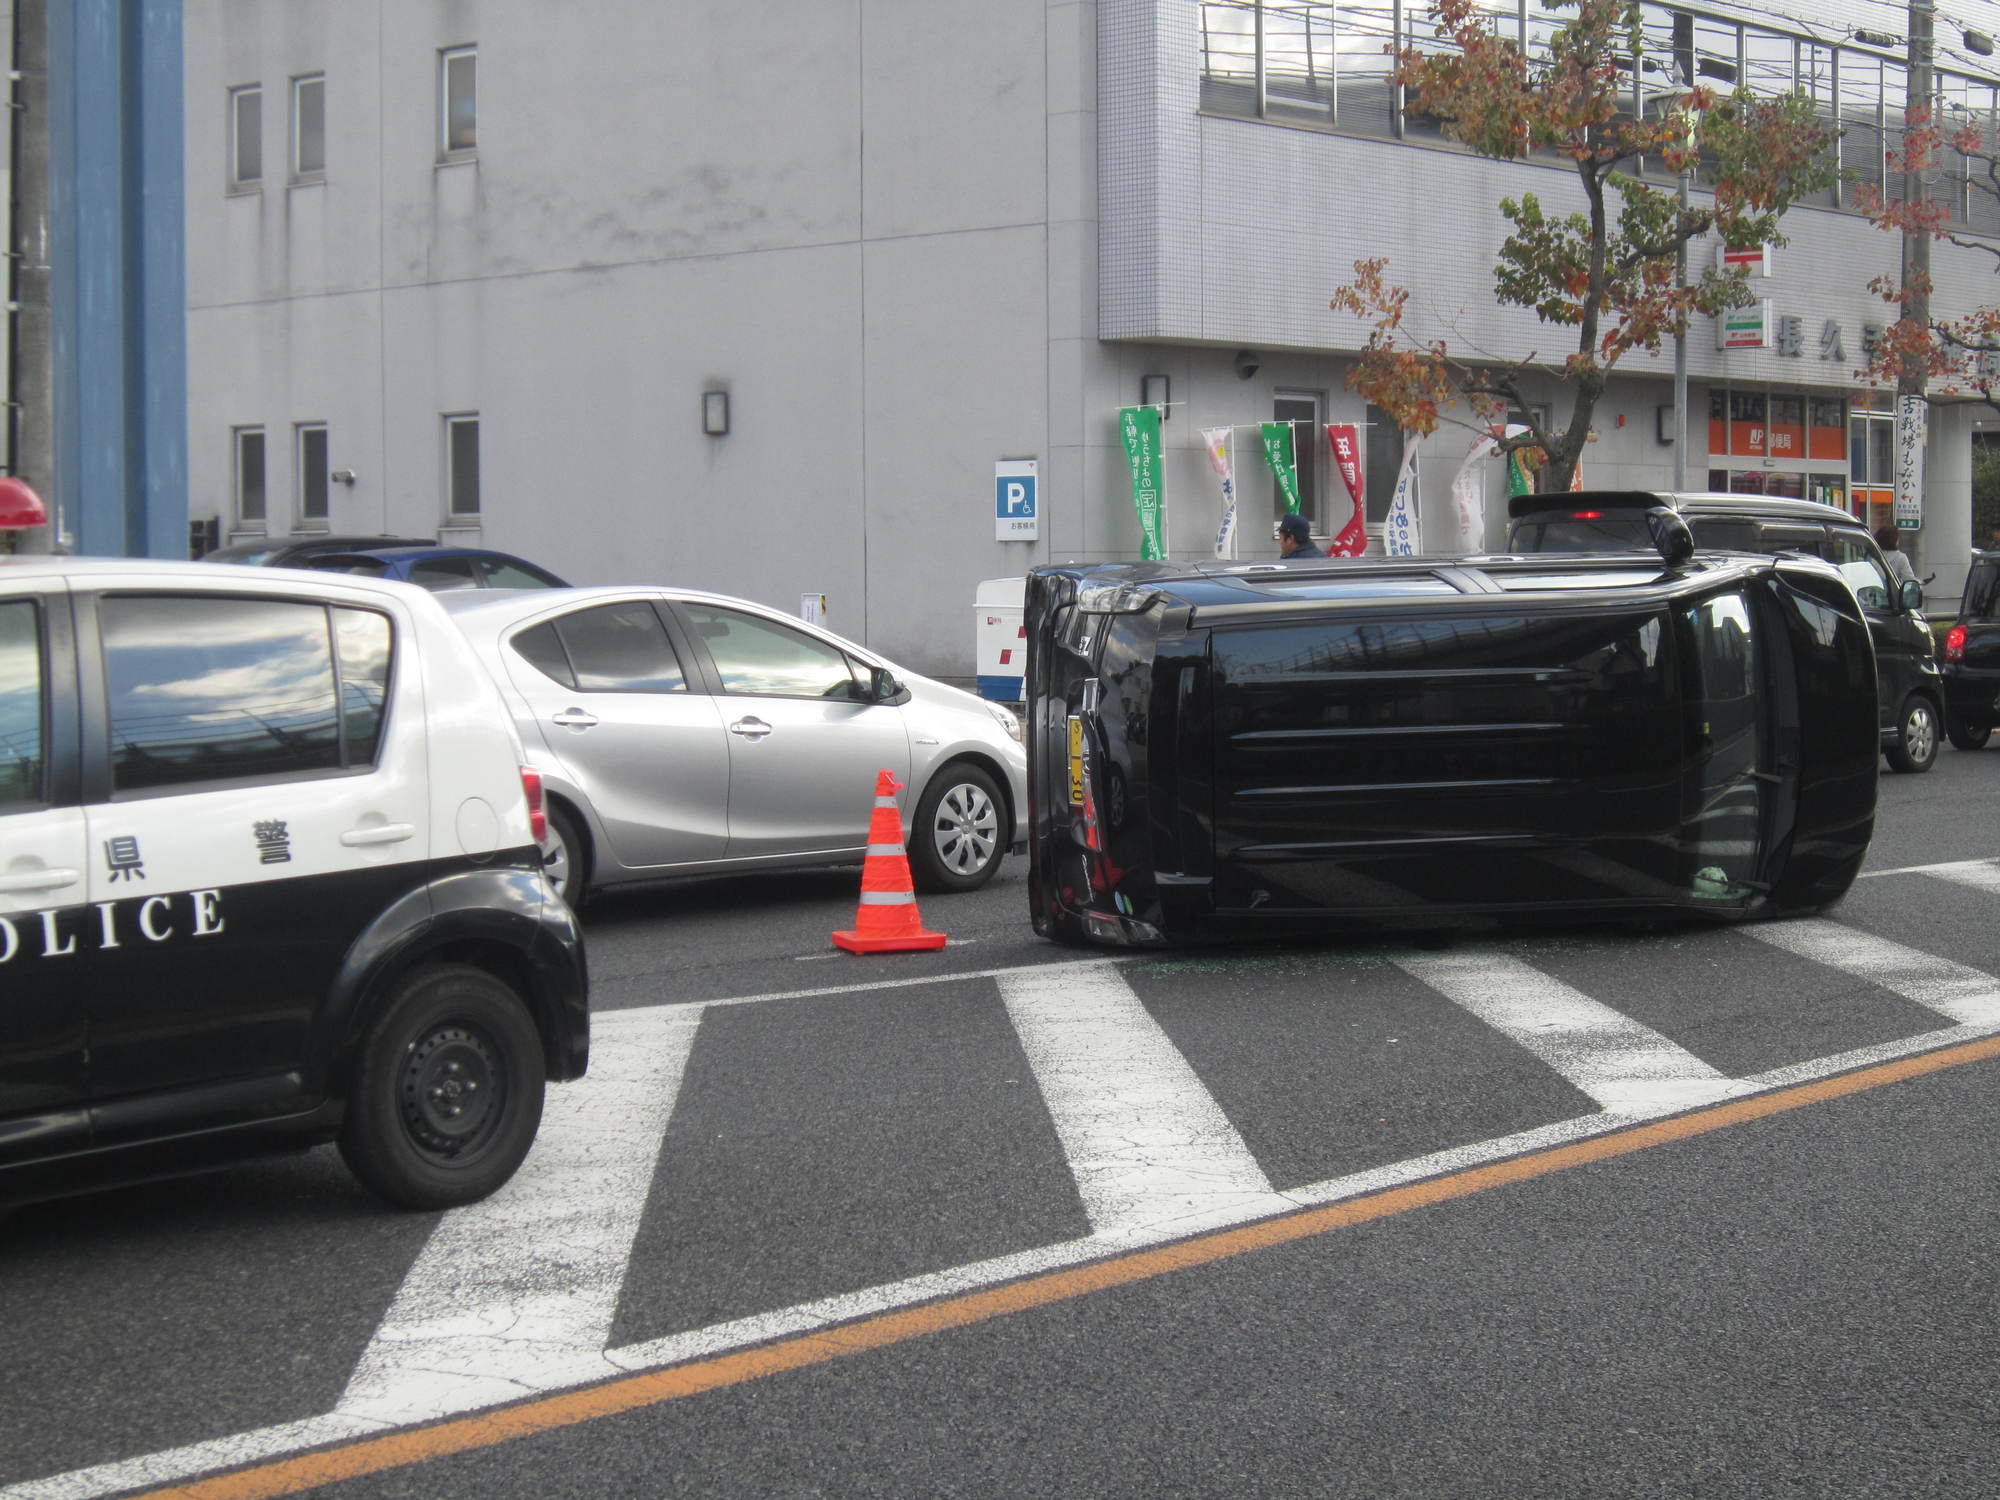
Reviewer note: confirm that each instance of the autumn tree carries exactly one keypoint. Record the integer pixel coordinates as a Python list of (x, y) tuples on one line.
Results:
[(1609, 271), (1958, 356)]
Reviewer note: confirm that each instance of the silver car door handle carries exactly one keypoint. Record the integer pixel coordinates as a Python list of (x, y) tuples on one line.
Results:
[(40, 880), (381, 833), (574, 718), (751, 728)]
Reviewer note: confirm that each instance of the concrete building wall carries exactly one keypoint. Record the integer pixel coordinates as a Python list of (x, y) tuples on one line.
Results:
[(908, 237)]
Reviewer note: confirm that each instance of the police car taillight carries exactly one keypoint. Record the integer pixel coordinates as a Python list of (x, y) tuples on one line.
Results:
[(538, 812), (1954, 643)]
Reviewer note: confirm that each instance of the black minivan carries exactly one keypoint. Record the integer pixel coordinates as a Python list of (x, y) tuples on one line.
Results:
[(1909, 687), (1343, 746), (1972, 657)]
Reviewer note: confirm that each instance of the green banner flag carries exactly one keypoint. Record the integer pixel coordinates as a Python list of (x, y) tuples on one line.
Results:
[(1519, 481), (1278, 454), (1141, 427)]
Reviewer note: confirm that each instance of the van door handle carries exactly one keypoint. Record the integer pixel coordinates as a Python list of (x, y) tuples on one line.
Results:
[(750, 727), (574, 718), (380, 833), (51, 879)]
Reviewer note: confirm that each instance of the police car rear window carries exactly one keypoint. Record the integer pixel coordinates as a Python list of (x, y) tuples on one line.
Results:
[(21, 730), (208, 689)]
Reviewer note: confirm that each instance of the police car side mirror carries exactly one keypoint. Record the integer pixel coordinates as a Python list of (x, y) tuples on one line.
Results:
[(1670, 534), (1912, 594)]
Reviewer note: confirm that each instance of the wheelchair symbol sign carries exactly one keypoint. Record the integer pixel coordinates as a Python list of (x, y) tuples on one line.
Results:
[(1016, 501)]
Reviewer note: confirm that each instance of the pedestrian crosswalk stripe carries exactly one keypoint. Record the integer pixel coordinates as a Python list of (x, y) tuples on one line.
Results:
[(1623, 1065), (1964, 994), (1151, 1150)]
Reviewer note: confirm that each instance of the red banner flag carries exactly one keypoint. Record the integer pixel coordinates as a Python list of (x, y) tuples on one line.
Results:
[(1350, 540)]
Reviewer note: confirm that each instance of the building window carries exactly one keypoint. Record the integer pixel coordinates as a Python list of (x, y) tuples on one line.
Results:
[(461, 465), (250, 475), (1301, 409), (309, 127), (458, 101), (311, 446), (246, 136)]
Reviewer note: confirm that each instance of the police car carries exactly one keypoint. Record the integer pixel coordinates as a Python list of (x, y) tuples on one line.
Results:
[(269, 877)]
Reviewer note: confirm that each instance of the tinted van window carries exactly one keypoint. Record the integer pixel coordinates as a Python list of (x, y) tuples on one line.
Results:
[(21, 728), (225, 688), (1862, 566)]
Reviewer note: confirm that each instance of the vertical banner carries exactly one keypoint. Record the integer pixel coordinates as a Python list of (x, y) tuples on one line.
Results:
[(1141, 427), (1521, 469), (1468, 494), (1399, 528), (1913, 421), (1278, 454), (1350, 540), (1216, 440)]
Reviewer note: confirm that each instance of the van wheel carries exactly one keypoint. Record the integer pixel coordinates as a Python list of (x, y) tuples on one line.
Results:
[(1915, 747), (956, 841), (566, 858), (1963, 736), (447, 1090)]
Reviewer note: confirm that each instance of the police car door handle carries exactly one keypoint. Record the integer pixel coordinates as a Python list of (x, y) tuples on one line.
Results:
[(574, 718), (379, 833), (750, 727), (40, 880)]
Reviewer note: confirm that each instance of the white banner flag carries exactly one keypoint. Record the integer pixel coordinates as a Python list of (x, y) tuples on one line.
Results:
[(1468, 494), (1216, 440), (1399, 527)]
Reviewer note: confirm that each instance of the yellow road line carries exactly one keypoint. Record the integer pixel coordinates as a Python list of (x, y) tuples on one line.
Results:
[(290, 1476)]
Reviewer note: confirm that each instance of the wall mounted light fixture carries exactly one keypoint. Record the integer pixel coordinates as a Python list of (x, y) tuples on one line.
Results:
[(1665, 431), (342, 476), (715, 412), (1153, 392)]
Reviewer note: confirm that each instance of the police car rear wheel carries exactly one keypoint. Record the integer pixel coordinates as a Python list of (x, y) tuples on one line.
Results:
[(447, 1090), (956, 841)]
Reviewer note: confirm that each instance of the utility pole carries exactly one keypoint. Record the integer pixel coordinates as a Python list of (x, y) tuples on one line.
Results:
[(30, 425), (1912, 404)]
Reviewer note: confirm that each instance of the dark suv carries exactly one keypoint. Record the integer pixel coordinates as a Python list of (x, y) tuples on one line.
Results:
[(1908, 683), (1305, 750), (1972, 658)]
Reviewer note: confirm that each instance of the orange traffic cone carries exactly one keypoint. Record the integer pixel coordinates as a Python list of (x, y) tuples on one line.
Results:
[(886, 920)]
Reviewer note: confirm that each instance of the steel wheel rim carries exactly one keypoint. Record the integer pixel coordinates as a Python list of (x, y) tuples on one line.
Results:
[(452, 1091), (967, 828), (1920, 734)]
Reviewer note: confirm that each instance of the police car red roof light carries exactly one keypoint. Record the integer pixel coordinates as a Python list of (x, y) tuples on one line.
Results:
[(538, 811)]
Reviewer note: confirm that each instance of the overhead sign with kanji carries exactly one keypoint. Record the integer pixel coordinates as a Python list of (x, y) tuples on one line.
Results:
[(1745, 327)]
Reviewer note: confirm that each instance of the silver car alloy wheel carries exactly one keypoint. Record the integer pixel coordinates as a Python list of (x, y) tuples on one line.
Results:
[(966, 828)]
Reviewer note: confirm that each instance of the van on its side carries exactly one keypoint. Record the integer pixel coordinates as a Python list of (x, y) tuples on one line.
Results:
[(1909, 685), (1339, 747)]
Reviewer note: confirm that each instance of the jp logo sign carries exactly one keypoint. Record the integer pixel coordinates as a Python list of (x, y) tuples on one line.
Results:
[(1016, 501)]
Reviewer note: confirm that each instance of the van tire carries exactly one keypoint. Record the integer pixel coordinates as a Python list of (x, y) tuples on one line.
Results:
[(959, 834), (1915, 746), (1963, 736), (446, 1093)]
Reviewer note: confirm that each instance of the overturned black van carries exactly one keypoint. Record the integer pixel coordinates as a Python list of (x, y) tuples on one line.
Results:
[(1319, 749)]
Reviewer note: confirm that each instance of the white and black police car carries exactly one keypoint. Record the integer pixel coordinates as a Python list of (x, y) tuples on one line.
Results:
[(269, 877)]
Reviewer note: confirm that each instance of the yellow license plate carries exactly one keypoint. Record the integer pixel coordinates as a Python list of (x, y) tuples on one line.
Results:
[(1075, 761)]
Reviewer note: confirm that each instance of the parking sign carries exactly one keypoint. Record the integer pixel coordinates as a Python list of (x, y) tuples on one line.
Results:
[(1016, 500)]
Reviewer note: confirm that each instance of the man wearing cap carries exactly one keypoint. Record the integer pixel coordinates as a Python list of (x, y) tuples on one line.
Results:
[(1295, 538)]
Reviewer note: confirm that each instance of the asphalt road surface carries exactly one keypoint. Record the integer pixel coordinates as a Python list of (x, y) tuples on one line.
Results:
[(1702, 1212)]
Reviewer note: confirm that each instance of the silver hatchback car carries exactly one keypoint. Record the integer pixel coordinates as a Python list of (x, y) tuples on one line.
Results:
[(684, 733)]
